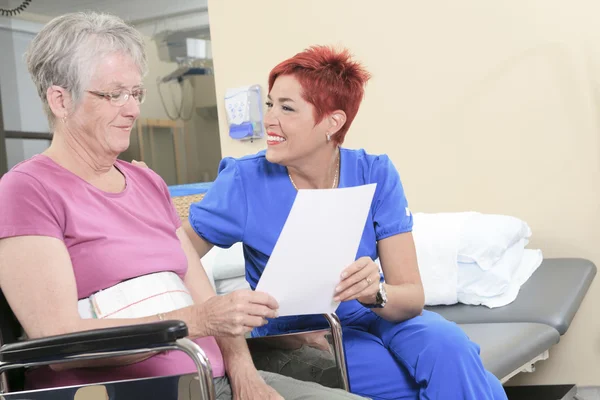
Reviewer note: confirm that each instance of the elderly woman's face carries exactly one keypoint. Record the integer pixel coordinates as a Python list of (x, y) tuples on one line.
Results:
[(290, 124), (104, 126)]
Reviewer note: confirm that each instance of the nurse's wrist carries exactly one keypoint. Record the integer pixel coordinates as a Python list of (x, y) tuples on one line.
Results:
[(369, 299), (376, 300)]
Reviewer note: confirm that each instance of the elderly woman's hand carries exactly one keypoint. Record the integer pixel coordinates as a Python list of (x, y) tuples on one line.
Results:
[(359, 281), (236, 313)]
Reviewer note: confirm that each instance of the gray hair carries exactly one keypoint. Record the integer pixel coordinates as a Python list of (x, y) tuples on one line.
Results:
[(65, 51)]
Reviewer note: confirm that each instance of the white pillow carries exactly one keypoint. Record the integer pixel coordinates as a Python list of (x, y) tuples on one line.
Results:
[(530, 262), (225, 286), (225, 263), (486, 237)]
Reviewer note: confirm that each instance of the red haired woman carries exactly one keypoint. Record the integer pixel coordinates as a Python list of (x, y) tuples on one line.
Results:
[(394, 349)]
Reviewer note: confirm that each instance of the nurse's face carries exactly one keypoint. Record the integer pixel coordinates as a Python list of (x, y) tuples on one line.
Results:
[(292, 134)]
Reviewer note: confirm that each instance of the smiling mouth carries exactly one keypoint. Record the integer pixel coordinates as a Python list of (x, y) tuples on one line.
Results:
[(275, 139)]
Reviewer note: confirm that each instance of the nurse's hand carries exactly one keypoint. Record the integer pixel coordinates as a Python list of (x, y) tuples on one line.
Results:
[(236, 313), (360, 281)]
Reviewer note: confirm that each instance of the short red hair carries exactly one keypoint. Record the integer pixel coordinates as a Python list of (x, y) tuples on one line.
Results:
[(330, 81)]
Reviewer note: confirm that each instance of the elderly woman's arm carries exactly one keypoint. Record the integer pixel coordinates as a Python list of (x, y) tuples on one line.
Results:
[(244, 378), (36, 276), (200, 245)]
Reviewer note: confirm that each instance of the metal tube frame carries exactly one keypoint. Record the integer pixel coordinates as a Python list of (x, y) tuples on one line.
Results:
[(194, 351), (338, 346), (3, 384)]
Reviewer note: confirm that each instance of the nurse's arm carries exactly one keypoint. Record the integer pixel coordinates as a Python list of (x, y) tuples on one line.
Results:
[(403, 284)]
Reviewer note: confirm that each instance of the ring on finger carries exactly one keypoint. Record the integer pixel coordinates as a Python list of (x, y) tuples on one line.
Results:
[(369, 281)]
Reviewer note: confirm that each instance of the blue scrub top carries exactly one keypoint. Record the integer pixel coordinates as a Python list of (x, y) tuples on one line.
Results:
[(251, 198)]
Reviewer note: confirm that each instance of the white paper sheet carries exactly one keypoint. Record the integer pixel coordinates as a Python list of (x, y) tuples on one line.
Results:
[(319, 239)]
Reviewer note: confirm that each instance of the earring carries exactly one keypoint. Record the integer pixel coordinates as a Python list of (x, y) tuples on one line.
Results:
[(328, 137), (64, 119)]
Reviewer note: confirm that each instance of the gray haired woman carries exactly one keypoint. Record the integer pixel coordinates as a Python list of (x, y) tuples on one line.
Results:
[(97, 224)]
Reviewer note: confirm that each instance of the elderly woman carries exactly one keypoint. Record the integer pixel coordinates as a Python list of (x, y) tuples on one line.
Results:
[(394, 349), (95, 221)]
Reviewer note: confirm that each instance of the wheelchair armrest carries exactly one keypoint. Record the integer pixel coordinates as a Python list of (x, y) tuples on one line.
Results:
[(98, 340)]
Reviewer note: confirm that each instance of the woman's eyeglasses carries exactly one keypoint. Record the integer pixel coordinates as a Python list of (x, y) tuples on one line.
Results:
[(120, 97)]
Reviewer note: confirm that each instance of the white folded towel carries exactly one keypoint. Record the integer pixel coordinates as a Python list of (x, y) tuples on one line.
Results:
[(528, 264)]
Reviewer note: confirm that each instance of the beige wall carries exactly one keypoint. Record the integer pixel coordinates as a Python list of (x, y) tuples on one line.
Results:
[(488, 106)]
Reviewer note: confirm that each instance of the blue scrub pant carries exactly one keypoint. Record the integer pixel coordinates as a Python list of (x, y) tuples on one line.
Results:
[(426, 357)]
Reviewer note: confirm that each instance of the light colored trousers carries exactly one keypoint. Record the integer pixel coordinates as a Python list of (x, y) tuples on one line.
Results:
[(289, 389)]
